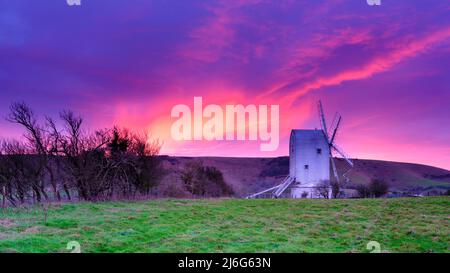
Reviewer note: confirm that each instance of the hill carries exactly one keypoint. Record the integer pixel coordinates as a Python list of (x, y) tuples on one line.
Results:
[(249, 175), (231, 225)]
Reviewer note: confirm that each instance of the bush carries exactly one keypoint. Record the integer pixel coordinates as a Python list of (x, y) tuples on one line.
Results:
[(204, 181), (363, 191), (102, 165), (335, 189), (173, 187), (378, 188), (322, 190)]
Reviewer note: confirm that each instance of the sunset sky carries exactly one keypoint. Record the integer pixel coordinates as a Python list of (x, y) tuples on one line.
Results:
[(385, 68)]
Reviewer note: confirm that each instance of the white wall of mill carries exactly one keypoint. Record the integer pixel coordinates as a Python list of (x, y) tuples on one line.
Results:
[(303, 151)]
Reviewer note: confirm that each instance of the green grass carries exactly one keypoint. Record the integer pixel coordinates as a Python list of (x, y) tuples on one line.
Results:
[(231, 225)]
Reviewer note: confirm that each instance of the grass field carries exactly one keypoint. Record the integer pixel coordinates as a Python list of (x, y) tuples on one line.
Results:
[(231, 225)]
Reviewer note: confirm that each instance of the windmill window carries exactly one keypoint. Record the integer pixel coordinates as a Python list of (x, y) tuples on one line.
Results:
[(306, 167), (319, 151)]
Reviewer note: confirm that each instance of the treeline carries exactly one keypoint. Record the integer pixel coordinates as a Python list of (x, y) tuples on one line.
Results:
[(375, 189), (57, 161), (200, 180)]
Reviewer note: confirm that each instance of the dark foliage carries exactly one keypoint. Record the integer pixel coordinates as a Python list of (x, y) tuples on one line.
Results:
[(106, 164), (335, 189), (363, 191), (204, 181), (378, 188), (322, 190)]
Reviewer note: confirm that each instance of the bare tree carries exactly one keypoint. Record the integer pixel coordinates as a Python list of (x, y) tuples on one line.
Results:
[(97, 166), (335, 189), (363, 191), (148, 169), (84, 157), (21, 113), (17, 174), (322, 190)]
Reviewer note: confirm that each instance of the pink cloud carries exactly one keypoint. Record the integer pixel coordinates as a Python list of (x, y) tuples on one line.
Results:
[(210, 40), (400, 50)]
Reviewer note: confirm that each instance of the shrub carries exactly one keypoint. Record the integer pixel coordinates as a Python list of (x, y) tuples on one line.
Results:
[(378, 188), (204, 181), (322, 190), (102, 165), (363, 191), (172, 187), (335, 189)]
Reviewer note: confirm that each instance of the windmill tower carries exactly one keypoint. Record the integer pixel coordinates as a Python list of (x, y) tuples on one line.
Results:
[(310, 156)]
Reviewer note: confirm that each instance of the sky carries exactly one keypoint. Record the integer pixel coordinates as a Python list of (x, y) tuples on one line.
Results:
[(385, 68)]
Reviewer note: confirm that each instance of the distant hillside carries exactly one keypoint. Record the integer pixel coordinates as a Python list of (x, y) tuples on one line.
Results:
[(249, 175)]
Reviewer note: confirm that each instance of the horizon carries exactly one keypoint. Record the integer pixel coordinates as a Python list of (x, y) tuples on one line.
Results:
[(128, 65), (352, 158)]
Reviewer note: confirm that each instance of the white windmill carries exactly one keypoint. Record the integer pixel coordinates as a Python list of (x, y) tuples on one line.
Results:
[(310, 154)]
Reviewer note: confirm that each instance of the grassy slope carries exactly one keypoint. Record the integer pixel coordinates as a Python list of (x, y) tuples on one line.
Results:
[(250, 175), (232, 225)]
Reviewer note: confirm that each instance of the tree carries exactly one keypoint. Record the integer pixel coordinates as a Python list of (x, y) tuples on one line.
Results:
[(148, 168), (378, 188), (322, 190), (110, 163), (17, 176), (22, 114), (335, 189), (363, 191), (135, 165), (204, 181), (97, 166), (83, 157)]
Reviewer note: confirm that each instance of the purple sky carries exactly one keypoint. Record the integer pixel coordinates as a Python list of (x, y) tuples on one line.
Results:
[(385, 68)]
